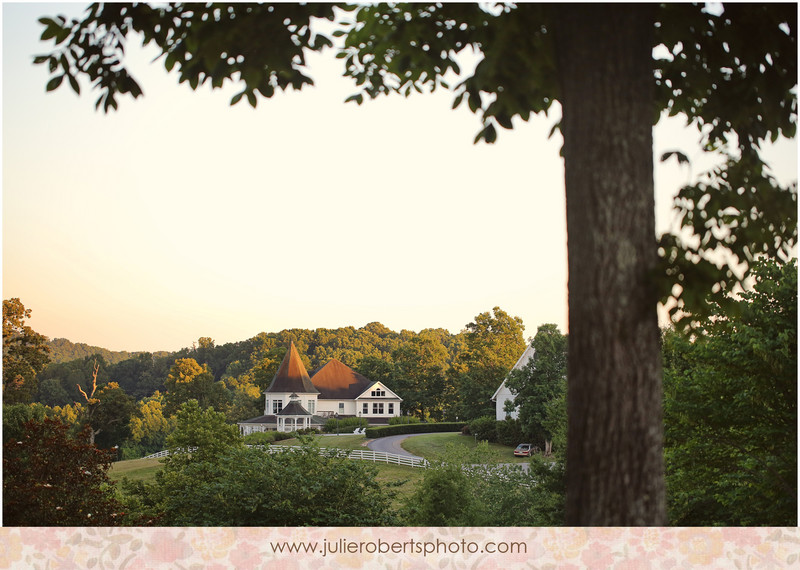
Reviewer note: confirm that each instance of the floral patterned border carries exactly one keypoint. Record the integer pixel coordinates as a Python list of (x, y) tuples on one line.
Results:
[(408, 548)]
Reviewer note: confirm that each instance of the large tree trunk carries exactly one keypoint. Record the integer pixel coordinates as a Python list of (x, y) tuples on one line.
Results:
[(615, 472)]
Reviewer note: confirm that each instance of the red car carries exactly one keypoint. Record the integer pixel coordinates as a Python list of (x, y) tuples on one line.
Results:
[(524, 450)]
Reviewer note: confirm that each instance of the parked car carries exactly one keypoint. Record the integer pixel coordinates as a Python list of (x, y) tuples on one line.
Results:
[(524, 450)]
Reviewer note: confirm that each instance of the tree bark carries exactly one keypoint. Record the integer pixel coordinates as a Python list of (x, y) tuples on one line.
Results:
[(615, 466)]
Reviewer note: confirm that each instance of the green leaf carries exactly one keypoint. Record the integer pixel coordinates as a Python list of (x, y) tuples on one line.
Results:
[(504, 121), (74, 84), (50, 32), (169, 61), (488, 134), (54, 83), (62, 35), (358, 98)]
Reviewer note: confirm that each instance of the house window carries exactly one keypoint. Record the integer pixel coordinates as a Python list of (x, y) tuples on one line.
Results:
[(341, 407), (391, 408), (377, 407), (311, 406), (277, 406), (365, 409), (376, 393)]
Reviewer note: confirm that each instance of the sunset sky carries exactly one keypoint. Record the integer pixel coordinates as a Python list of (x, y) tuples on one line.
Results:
[(179, 216)]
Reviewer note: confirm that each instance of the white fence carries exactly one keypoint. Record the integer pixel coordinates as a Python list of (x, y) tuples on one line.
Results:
[(362, 454)]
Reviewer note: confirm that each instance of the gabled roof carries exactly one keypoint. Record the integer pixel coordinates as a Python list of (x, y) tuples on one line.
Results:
[(373, 385), (522, 361), (294, 408), (291, 375), (336, 381)]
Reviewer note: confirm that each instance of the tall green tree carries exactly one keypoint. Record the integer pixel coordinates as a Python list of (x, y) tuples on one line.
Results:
[(187, 380), (731, 71), (420, 377), (25, 353), (202, 428), (731, 399), (494, 342), (15, 416), (106, 411), (540, 384), (149, 426)]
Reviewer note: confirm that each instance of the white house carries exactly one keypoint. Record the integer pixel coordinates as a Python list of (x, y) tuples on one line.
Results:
[(503, 393), (294, 400)]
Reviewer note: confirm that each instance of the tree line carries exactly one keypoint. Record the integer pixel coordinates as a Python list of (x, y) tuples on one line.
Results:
[(730, 397), (440, 376)]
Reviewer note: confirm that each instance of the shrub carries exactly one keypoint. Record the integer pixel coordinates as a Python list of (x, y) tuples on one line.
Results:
[(484, 428), (383, 431), (266, 437), (509, 432), (402, 420), (52, 479), (344, 425)]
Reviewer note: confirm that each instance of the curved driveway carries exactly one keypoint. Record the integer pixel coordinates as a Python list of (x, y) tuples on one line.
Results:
[(391, 444)]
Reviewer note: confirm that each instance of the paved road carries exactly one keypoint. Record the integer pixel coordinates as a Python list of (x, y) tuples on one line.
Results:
[(391, 444)]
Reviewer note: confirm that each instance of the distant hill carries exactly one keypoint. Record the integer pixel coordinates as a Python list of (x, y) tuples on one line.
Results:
[(63, 350)]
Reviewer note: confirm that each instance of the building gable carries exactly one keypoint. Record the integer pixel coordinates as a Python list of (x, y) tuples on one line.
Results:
[(503, 393), (378, 390)]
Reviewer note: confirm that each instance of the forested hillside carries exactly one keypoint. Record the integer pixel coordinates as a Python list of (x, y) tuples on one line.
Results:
[(440, 375), (63, 350)]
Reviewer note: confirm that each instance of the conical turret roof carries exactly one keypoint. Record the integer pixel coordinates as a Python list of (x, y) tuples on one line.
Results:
[(291, 375)]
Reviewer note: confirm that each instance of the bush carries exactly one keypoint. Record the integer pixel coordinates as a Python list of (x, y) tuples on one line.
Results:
[(239, 487), (307, 431), (52, 479), (484, 428), (402, 420), (509, 432), (400, 429), (266, 437), (344, 425)]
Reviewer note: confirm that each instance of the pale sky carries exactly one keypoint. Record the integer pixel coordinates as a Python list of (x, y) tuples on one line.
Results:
[(179, 216)]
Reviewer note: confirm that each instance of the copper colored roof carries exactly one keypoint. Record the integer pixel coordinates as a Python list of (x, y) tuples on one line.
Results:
[(291, 375), (336, 381)]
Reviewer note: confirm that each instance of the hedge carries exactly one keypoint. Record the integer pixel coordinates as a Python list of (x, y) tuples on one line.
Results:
[(344, 425), (400, 429)]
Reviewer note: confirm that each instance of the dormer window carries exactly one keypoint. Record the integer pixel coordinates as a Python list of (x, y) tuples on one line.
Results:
[(377, 393)]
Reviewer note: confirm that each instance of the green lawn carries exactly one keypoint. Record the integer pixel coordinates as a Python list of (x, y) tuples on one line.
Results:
[(135, 469), (433, 446)]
